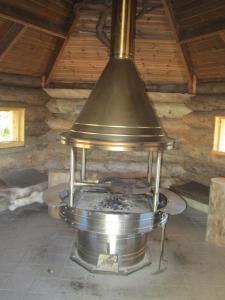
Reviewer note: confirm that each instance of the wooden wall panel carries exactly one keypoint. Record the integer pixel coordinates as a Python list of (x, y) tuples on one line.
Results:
[(154, 25), (159, 61), (30, 55), (156, 54), (84, 60)]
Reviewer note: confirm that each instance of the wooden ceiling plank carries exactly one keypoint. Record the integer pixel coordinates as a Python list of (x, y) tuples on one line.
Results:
[(10, 38), (19, 16), (183, 51), (60, 49)]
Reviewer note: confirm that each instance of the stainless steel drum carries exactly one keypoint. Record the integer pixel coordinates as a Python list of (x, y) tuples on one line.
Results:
[(130, 249), (111, 238)]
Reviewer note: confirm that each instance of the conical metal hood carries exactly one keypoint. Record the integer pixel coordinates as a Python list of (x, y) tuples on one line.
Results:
[(118, 108), (118, 114)]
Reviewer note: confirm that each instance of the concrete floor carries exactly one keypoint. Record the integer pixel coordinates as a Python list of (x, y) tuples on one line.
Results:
[(35, 264)]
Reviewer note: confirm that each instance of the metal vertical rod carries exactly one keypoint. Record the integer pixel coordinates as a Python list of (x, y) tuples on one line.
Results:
[(162, 244), (150, 165), (72, 175), (83, 165), (157, 180)]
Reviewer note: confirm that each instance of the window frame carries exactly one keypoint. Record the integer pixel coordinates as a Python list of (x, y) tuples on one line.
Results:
[(19, 127), (216, 136)]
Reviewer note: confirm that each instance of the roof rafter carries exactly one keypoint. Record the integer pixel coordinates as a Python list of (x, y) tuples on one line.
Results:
[(21, 17), (10, 38), (58, 53), (183, 51), (217, 27), (222, 35)]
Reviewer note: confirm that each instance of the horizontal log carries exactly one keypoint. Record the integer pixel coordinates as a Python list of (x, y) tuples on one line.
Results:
[(165, 97), (68, 93), (35, 128), (211, 87), (177, 126), (199, 119), (129, 167), (197, 142), (206, 102), (101, 155), (59, 122), (166, 88), (20, 80), (36, 113), (65, 106), (171, 110), (24, 95), (13, 104)]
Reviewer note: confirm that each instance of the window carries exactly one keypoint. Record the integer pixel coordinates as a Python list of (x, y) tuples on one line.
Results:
[(219, 135), (11, 127)]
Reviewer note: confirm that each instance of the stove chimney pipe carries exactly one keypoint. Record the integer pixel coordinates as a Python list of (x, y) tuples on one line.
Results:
[(123, 29)]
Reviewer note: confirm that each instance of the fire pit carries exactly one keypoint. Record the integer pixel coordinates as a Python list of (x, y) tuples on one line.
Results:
[(113, 219)]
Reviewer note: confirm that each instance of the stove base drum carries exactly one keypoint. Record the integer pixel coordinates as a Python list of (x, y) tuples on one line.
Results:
[(114, 254), (112, 242)]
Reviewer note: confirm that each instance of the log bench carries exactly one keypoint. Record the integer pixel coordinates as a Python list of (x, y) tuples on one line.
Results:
[(21, 187)]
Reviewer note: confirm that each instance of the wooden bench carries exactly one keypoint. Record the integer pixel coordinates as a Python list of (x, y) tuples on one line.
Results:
[(195, 194)]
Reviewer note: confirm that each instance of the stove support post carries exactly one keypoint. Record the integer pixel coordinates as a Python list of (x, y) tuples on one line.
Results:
[(83, 165), (157, 180), (72, 175), (150, 166), (162, 244)]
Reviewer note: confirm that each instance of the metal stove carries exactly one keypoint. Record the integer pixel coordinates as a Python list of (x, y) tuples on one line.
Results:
[(113, 217)]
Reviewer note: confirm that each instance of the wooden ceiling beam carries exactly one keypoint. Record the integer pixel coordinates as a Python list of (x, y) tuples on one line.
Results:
[(10, 38), (59, 51), (183, 50), (21, 17)]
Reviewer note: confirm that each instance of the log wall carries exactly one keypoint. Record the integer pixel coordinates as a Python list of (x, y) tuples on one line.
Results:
[(188, 119)]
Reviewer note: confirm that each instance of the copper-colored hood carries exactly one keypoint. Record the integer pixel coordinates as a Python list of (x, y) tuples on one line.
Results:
[(118, 114)]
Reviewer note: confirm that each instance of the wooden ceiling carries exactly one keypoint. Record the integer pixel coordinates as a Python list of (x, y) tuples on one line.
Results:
[(177, 41)]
